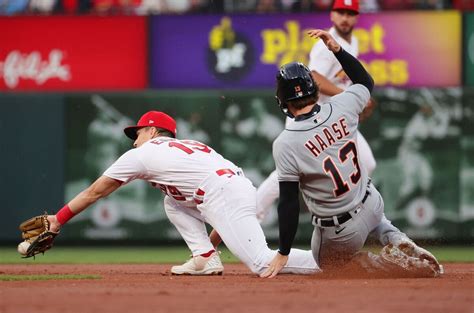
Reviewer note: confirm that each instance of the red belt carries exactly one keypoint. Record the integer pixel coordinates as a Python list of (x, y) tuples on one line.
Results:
[(200, 193), (225, 171)]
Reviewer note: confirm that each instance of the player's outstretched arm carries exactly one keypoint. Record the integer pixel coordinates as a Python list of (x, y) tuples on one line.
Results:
[(353, 68), (325, 85), (101, 188)]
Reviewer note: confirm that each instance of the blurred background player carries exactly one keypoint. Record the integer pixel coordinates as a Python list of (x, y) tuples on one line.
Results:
[(430, 121)]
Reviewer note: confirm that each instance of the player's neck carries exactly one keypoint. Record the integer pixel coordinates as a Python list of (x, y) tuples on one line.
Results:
[(302, 111), (347, 37)]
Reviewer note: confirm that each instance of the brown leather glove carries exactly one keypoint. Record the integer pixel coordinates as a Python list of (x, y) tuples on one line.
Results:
[(36, 232)]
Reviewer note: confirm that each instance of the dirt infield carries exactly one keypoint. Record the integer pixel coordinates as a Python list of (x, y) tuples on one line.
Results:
[(150, 288)]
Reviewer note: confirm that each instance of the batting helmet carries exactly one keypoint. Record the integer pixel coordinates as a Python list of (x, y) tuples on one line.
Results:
[(154, 119), (294, 81)]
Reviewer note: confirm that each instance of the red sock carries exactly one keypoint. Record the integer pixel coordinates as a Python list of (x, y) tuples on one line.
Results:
[(208, 254)]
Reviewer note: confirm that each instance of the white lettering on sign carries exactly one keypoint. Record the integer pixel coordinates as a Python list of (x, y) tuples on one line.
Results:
[(19, 65)]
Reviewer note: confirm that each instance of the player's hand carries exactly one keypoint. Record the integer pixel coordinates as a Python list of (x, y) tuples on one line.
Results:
[(54, 225), (326, 37), (278, 262), (368, 110)]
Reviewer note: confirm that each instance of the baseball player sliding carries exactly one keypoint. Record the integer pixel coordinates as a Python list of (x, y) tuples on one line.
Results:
[(200, 186), (332, 80), (318, 154)]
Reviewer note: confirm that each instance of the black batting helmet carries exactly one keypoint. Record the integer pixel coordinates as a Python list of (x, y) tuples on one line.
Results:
[(294, 81)]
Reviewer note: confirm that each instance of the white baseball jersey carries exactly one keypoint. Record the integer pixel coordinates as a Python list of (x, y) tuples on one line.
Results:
[(325, 63), (175, 166)]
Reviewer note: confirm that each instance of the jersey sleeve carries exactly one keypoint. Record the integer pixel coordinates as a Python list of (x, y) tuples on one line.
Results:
[(127, 168), (321, 59), (284, 161), (353, 99)]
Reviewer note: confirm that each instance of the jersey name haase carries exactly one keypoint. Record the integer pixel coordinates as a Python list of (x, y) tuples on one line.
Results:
[(327, 137)]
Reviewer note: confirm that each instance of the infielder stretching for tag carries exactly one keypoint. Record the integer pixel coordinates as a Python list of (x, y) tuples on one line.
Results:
[(317, 153), (199, 186)]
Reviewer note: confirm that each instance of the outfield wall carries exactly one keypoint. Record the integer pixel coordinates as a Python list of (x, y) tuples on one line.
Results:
[(54, 145)]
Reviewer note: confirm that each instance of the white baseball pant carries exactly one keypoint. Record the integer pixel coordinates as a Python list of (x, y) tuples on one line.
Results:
[(229, 207)]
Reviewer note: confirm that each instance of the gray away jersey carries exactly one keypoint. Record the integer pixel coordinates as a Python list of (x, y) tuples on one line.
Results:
[(321, 153)]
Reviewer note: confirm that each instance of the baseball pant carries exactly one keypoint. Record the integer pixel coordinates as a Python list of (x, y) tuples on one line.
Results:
[(229, 207), (336, 245)]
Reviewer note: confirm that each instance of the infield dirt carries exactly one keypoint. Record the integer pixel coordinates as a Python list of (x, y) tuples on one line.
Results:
[(151, 288)]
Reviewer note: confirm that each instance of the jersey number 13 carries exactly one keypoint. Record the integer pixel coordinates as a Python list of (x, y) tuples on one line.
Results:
[(341, 186)]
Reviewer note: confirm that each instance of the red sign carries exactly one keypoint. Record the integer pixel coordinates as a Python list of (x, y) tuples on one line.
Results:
[(73, 53)]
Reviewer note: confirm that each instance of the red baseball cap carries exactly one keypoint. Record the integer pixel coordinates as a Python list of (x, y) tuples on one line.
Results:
[(351, 5), (152, 118)]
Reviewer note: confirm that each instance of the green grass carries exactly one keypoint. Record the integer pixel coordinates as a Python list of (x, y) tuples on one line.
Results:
[(46, 277), (105, 255), (141, 255)]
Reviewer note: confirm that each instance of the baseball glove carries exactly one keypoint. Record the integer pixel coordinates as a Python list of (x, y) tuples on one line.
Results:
[(36, 232)]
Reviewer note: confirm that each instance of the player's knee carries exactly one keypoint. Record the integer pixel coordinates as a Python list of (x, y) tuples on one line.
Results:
[(257, 269)]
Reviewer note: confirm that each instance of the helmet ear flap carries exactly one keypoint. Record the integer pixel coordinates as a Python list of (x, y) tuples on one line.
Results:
[(283, 107)]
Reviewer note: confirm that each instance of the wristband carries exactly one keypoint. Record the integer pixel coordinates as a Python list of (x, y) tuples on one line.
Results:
[(64, 215)]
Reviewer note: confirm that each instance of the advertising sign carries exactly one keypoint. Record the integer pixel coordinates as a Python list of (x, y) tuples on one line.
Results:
[(72, 53), (245, 51)]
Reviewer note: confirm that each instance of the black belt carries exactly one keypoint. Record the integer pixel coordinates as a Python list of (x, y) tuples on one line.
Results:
[(341, 218), (329, 222)]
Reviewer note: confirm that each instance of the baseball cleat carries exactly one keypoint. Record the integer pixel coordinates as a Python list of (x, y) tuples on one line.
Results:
[(200, 265), (410, 263), (412, 249)]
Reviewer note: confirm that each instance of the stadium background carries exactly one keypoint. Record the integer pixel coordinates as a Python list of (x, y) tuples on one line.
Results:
[(70, 82)]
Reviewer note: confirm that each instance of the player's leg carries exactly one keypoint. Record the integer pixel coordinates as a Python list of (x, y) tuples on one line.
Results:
[(230, 209), (409, 164), (385, 232), (190, 225), (336, 245), (330, 248), (389, 234), (267, 193), (366, 155), (401, 253)]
